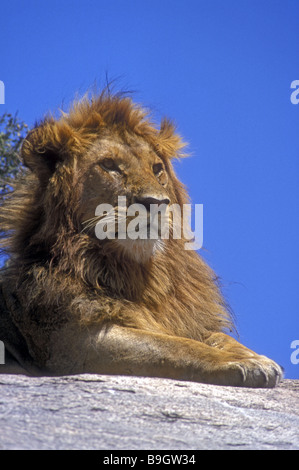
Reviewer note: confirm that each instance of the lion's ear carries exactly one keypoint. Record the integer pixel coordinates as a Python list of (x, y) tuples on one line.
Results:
[(169, 142), (43, 148)]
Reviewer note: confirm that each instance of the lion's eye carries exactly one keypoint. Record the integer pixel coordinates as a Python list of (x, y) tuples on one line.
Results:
[(109, 164), (157, 168)]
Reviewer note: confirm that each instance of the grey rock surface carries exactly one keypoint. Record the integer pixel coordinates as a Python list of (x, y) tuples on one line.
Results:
[(129, 413)]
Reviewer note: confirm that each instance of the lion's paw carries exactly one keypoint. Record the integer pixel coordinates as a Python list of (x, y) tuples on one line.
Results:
[(259, 372)]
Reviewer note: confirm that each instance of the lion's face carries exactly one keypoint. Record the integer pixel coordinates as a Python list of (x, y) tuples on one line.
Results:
[(87, 163), (118, 173)]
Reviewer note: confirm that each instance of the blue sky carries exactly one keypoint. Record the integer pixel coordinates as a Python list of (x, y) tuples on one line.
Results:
[(222, 70)]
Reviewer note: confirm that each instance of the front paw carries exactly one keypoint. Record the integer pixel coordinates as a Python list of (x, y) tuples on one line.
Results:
[(258, 371)]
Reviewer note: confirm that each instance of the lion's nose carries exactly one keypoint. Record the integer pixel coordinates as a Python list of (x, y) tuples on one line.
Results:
[(146, 201)]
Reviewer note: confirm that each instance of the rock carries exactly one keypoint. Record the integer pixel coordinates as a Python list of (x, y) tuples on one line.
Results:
[(129, 413)]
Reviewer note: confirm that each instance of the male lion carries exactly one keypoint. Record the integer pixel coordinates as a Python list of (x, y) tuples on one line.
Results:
[(71, 303)]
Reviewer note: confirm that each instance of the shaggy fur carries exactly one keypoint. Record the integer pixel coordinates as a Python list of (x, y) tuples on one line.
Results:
[(60, 274)]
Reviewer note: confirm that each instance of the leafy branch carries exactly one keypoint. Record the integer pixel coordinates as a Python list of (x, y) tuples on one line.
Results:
[(12, 133)]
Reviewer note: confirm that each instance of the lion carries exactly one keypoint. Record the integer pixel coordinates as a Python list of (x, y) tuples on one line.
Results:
[(74, 303)]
